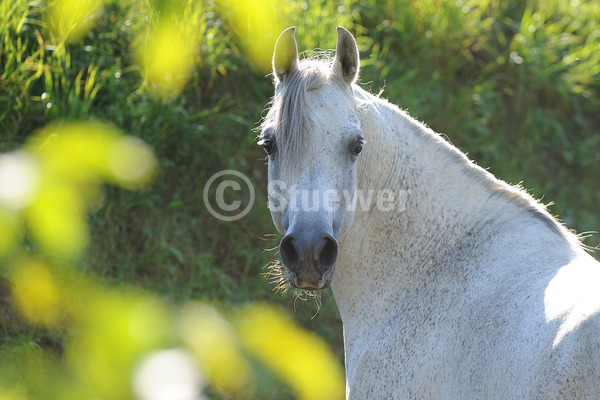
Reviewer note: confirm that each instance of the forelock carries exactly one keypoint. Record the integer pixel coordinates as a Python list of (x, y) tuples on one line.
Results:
[(289, 117)]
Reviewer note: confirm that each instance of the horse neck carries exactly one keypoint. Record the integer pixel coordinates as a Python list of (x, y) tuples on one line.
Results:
[(442, 200)]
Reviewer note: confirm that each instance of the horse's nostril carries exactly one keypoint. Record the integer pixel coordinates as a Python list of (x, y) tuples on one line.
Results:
[(289, 254), (320, 253), (328, 253)]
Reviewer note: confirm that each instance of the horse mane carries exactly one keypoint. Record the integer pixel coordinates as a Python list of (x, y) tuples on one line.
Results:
[(498, 189), (519, 196)]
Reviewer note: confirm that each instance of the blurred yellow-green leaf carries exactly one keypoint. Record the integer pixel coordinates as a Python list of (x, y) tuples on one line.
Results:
[(300, 358), (167, 56), (117, 330), (257, 24), (12, 393), (57, 222), (36, 294), (214, 342), (70, 20)]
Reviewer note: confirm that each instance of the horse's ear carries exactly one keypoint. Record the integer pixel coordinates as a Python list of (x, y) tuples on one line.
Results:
[(347, 60), (285, 57)]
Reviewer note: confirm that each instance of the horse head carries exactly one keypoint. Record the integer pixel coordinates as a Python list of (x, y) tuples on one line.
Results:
[(313, 139)]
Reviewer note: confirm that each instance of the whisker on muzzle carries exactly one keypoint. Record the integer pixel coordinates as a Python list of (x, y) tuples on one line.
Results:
[(277, 275)]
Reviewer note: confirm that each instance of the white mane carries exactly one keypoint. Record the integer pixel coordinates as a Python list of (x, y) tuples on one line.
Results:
[(479, 176)]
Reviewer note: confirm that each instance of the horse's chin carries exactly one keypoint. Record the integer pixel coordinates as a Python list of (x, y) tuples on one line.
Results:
[(312, 285)]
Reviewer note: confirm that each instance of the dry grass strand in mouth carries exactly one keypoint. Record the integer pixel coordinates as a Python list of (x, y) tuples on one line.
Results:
[(306, 295), (276, 274)]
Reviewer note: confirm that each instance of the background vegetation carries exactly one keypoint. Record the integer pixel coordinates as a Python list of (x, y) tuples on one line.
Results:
[(516, 84)]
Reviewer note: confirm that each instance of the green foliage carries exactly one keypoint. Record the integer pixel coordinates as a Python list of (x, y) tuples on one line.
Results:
[(515, 84)]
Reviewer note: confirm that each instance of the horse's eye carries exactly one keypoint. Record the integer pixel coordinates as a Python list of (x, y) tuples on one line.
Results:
[(358, 147), (268, 144)]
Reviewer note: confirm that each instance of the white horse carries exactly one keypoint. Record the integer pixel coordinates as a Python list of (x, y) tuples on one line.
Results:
[(451, 284)]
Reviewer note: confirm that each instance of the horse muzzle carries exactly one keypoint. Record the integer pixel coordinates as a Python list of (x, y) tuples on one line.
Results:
[(311, 259)]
